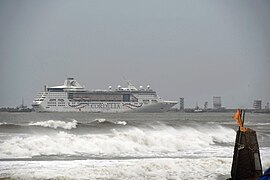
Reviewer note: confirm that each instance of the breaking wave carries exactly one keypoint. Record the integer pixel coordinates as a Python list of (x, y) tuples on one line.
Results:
[(5, 124), (56, 124), (166, 141), (102, 120), (262, 124), (121, 122)]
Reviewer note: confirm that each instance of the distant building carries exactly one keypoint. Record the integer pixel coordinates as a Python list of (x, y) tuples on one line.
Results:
[(257, 104), (216, 102), (182, 105), (206, 105), (267, 106)]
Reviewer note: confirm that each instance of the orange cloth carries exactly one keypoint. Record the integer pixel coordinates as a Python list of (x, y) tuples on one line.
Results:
[(237, 118)]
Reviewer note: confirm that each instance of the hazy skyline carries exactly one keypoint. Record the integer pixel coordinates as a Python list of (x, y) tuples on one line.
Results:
[(190, 49)]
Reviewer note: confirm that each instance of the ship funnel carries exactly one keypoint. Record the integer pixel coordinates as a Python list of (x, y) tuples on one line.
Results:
[(71, 83), (131, 86)]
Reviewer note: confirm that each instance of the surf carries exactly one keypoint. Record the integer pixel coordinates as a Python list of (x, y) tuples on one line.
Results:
[(56, 124), (138, 142)]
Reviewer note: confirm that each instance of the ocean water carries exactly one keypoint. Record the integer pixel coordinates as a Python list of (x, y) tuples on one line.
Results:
[(123, 145)]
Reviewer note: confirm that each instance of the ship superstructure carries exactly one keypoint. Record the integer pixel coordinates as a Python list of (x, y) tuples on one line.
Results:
[(72, 97)]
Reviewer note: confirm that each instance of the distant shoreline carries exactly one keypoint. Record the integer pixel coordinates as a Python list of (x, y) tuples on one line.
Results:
[(188, 110)]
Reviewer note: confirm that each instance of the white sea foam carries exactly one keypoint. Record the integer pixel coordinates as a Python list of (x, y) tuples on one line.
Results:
[(2, 123), (55, 124), (166, 141), (121, 122), (155, 168), (262, 124), (101, 120), (210, 168)]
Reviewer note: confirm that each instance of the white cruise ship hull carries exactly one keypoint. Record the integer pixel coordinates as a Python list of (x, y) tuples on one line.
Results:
[(108, 107), (72, 97)]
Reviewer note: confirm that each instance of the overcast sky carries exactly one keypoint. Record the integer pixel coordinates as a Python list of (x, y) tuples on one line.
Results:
[(191, 49)]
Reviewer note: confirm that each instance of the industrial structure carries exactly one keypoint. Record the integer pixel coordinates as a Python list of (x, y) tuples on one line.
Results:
[(217, 102), (206, 105), (257, 104), (182, 104)]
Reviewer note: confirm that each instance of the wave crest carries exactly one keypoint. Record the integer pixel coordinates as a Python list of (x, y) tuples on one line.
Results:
[(102, 120), (56, 124), (2, 123), (166, 141)]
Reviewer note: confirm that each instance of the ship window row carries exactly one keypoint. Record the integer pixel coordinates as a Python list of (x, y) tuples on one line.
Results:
[(103, 98), (58, 100), (55, 105), (51, 102), (96, 100), (55, 89), (56, 96)]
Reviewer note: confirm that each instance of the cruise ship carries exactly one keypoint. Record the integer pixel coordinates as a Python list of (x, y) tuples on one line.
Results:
[(72, 97)]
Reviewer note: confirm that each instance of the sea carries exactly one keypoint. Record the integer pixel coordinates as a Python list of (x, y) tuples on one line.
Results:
[(123, 145)]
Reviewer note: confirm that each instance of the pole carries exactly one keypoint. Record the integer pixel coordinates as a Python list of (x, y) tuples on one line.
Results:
[(238, 145), (243, 118)]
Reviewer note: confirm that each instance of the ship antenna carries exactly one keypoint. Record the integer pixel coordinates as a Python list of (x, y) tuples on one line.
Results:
[(125, 79)]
